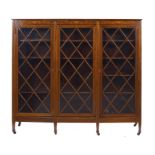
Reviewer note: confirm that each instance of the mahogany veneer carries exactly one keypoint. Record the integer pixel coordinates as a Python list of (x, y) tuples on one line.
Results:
[(76, 71)]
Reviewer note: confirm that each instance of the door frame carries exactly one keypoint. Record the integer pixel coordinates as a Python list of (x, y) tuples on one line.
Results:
[(135, 117), (74, 24), (17, 24)]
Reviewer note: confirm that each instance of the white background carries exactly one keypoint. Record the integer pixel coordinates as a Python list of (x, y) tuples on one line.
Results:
[(38, 138)]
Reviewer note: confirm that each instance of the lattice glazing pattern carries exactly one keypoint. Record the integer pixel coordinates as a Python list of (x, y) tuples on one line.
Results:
[(118, 70), (76, 64), (34, 70)]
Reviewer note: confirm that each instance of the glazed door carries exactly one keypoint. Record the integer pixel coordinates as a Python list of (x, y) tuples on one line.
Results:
[(76, 63), (34, 73), (118, 69)]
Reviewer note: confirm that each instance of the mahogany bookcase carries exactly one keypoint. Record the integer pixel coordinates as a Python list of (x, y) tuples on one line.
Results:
[(76, 70)]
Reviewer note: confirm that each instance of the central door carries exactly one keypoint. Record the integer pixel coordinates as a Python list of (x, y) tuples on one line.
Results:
[(76, 70)]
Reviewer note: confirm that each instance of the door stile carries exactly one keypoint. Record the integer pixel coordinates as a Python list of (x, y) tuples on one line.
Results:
[(138, 76), (100, 66), (95, 85), (52, 63), (14, 74), (56, 71), (97, 77)]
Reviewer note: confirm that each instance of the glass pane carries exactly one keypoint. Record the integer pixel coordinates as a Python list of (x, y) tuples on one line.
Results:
[(34, 70), (76, 45), (118, 70)]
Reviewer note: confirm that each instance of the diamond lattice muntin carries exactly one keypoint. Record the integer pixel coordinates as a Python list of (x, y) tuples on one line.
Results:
[(76, 76), (34, 70), (118, 70)]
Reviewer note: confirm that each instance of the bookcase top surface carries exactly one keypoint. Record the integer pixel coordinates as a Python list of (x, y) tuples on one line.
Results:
[(83, 19)]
